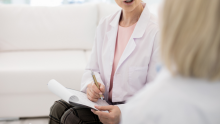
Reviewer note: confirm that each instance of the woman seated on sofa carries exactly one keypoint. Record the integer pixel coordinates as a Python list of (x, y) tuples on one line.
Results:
[(124, 59), (187, 91)]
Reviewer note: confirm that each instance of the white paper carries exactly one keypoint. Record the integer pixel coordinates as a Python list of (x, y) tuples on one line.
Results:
[(73, 95), (59, 90), (85, 101)]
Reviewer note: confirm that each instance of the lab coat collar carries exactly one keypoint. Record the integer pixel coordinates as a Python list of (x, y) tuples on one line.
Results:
[(142, 23), (115, 21)]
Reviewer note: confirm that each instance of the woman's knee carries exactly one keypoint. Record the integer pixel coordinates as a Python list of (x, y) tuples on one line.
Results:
[(58, 109), (79, 115), (71, 117)]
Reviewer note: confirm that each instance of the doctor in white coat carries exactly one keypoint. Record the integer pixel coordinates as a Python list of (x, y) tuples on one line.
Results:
[(124, 57)]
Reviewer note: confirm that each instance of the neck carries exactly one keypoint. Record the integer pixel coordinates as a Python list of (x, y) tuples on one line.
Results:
[(129, 18)]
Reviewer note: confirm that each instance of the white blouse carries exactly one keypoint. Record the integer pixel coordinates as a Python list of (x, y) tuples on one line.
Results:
[(175, 100)]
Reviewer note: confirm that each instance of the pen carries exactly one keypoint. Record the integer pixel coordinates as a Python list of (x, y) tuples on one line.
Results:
[(96, 83)]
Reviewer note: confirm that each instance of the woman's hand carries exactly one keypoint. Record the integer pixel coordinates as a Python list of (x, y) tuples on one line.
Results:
[(93, 93), (113, 117)]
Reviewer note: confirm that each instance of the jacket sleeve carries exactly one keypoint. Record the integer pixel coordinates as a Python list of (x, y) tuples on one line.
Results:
[(154, 61), (92, 65), (121, 107)]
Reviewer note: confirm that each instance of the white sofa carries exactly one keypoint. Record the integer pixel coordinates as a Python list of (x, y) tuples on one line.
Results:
[(42, 43)]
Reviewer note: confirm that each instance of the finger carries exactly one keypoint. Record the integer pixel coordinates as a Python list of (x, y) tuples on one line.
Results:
[(87, 90), (89, 85), (102, 88), (91, 98), (88, 97), (101, 114), (95, 89), (104, 108), (95, 95)]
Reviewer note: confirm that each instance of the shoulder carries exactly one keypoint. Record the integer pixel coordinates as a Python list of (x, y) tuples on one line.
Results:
[(165, 100), (163, 111), (154, 20), (154, 102), (153, 24)]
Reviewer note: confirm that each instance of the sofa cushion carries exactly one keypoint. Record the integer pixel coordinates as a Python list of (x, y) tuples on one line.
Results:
[(25, 27), (26, 105), (29, 72)]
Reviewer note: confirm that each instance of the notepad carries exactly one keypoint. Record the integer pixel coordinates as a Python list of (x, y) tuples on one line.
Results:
[(73, 97)]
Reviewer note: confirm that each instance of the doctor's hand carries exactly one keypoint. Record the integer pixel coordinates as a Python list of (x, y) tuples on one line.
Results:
[(93, 93), (113, 117)]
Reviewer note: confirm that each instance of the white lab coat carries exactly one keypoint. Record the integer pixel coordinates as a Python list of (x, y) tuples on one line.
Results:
[(174, 100), (137, 65)]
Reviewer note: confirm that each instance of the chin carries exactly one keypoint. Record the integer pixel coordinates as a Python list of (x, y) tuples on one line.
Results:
[(130, 5)]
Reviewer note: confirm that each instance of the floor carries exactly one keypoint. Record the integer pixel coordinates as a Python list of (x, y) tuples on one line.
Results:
[(27, 121)]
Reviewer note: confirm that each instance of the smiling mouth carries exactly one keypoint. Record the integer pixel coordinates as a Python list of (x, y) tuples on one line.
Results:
[(128, 1)]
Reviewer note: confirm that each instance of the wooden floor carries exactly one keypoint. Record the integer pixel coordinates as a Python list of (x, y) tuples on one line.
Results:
[(28, 121)]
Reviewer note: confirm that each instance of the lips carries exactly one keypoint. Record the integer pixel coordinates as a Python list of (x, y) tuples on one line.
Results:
[(128, 1)]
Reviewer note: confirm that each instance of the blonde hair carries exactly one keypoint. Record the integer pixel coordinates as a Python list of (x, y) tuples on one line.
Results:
[(190, 38)]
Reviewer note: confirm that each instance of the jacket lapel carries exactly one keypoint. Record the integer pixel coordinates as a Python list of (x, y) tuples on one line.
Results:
[(127, 52), (137, 33), (111, 38)]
